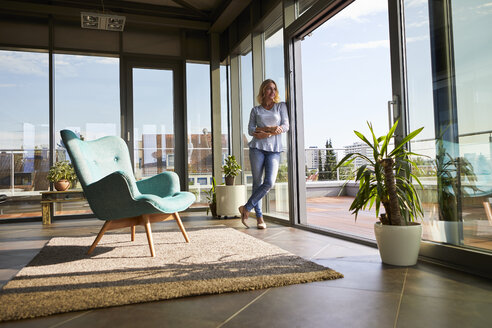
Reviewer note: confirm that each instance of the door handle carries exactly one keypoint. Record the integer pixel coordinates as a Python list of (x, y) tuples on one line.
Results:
[(393, 110)]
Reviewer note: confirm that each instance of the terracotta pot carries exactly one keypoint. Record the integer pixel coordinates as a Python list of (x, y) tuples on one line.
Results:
[(229, 180), (62, 185), (213, 209)]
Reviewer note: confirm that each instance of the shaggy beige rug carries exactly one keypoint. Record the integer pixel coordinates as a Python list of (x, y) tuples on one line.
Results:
[(62, 278)]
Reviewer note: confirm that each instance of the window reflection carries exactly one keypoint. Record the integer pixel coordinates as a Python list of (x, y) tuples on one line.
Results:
[(24, 132), (277, 199), (457, 137), (247, 97), (224, 110), (199, 129), (153, 121), (87, 101)]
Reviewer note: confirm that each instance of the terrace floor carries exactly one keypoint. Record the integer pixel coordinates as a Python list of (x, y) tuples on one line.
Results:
[(371, 294), (333, 213)]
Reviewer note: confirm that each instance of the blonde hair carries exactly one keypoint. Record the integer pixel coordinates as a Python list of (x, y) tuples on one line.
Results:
[(261, 93)]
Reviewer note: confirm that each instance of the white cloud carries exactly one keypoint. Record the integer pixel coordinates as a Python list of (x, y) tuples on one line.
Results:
[(26, 63), (377, 44), (68, 65), (107, 60), (275, 40), (361, 8), (417, 38), (415, 3), (7, 85), (485, 5), (340, 58), (424, 22), (365, 45)]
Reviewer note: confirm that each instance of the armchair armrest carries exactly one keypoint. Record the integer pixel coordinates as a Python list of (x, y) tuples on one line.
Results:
[(112, 196), (162, 185)]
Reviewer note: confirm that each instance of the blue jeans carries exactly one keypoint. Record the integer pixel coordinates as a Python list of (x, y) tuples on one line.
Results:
[(267, 161)]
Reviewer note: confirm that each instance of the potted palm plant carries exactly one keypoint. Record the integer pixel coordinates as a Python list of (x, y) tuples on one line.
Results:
[(62, 175), (386, 179), (231, 169)]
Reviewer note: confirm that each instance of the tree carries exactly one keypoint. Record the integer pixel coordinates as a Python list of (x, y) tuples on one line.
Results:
[(321, 172), (330, 162)]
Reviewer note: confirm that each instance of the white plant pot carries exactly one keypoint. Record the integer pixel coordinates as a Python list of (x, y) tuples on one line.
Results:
[(229, 198), (398, 245)]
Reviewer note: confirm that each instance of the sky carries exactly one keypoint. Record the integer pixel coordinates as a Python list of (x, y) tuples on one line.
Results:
[(346, 75)]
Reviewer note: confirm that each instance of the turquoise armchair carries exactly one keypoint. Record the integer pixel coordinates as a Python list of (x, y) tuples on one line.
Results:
[(105, 172)]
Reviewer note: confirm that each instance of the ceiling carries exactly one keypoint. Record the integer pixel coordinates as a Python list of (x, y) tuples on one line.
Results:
[(210, 15)]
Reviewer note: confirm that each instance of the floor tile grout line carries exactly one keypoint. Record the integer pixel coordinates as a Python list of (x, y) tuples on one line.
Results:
[(401, 297), (274, 235), (320, 250), (243, 308), (70, 319)]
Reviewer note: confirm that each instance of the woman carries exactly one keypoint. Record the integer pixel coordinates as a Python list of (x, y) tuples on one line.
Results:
[(266, 122)]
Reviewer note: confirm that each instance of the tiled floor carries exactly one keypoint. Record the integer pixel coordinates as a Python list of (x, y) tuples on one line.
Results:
[(371, 294)]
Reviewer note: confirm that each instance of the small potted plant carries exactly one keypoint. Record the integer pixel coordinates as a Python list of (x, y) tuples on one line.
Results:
[(62, 175), (387, 179), (231, 169), (212, 199)]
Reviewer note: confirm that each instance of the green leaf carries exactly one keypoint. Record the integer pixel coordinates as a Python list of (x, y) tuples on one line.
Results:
[(363, 138), (390, 134), (409, 137)]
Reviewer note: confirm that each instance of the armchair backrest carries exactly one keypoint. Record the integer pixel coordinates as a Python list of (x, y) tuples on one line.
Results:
[(96, 159)]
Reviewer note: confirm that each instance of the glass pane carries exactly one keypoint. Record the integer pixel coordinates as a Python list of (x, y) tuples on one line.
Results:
[(346, 82), (224, 109), (278, 199), (274, 60), (304, 5), (459, 171), (153, 113), (87, 101), (24, 132), (421, 107), (247, 96), (472, 32), (199, 130)]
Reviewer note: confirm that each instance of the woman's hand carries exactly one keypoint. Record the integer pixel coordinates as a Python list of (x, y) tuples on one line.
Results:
[(270, 129), (261, 134), (277, 130)]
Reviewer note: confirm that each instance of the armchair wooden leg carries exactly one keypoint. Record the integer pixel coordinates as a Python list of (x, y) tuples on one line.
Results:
[(181, 227), (104, 228), (144, 220), (148, 230)]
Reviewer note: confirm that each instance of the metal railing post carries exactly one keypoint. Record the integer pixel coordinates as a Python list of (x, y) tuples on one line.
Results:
[(12, 172)]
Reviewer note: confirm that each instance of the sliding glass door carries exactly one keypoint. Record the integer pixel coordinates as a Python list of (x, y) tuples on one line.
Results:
[(346, 82), (449, 67), (154, 118), (153, 121)]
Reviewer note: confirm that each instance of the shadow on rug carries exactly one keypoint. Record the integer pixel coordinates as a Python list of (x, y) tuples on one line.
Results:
[(63, 278)]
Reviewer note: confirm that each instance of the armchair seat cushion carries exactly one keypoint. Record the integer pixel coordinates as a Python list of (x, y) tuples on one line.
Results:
[(178, 202)]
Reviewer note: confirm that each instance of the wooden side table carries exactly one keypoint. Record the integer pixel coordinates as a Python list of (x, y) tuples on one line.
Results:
[(229, 198), (48, 198)]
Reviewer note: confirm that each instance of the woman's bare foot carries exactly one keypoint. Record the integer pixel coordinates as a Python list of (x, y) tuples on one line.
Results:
[(244, 215), (260, 224)]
